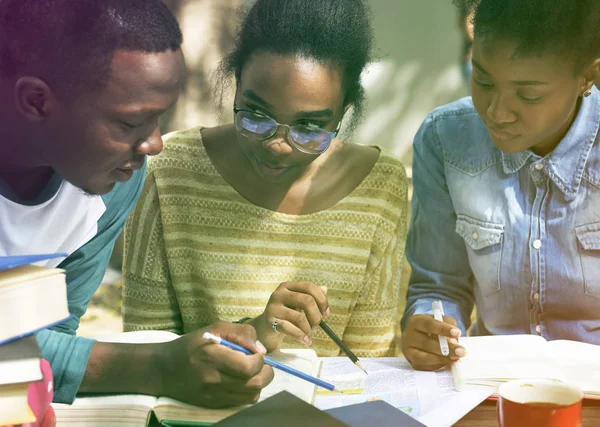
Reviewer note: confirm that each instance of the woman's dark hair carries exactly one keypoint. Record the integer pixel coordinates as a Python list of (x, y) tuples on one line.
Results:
[(335, 32), (569, 28)]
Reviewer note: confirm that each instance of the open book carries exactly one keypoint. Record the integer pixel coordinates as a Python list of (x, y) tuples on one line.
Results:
[(492, 360), (134, 410)]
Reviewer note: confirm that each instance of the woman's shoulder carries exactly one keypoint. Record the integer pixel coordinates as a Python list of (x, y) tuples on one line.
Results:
[(182, 149), (455, 133), (383, 193), (387, 165), (450, 122), (385, 183)]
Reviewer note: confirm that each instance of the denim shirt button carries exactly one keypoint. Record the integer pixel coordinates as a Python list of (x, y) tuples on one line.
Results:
[(536, 297), (539, 166), (538, 329), (475, 235), (537, 243)]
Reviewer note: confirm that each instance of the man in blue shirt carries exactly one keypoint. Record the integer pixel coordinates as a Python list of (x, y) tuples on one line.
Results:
[(82, 84)]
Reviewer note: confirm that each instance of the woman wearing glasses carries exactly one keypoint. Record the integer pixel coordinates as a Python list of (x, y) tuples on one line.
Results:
[(272, 220)]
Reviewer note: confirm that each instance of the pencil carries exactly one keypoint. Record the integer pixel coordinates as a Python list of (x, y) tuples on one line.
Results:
[(342, 346), (271, 362)]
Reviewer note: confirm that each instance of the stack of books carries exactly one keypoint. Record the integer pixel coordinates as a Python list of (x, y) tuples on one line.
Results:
[(32, 298)]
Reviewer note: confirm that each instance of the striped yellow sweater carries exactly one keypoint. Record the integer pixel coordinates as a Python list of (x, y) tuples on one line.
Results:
[(197, 252)]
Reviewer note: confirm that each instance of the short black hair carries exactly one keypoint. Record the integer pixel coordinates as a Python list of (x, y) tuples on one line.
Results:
[(335, 32), (569, 28), (70, 43)]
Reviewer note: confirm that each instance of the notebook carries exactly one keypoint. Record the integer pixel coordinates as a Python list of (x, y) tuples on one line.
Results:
[(134, 410), (492, 360), (282, 409), (376, 413)]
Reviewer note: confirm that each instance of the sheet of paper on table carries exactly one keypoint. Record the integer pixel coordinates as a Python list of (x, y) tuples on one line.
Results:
[(430, 397)]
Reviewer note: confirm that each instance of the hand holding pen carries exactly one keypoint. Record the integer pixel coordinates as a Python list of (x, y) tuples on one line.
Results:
[(294, 309), (195, 371), (273, 363), (426, 338)]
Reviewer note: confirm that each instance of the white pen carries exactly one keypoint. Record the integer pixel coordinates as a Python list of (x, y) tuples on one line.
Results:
[(438, 314)]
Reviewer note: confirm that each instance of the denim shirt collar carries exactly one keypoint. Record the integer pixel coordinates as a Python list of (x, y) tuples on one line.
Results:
[(513, 162), (566, 163)]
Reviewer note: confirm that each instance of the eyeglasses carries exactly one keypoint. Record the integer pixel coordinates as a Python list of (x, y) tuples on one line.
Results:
[(309, 139)]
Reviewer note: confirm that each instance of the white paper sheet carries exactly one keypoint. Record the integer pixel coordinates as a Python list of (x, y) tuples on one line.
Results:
[(429, 397)]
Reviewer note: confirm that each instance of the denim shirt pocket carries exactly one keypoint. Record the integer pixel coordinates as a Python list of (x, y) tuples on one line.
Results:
[(588, 236), (484, 242)]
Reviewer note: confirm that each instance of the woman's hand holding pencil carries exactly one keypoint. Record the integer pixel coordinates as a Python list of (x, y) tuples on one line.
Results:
[(294, 309)]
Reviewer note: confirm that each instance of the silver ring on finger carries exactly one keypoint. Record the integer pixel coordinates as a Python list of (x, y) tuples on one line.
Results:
[(274, 324)]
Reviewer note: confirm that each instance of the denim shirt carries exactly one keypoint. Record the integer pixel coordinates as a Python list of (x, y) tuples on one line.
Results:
[(516, 234)]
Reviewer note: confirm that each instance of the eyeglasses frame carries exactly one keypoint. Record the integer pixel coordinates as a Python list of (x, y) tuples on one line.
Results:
[(289, 128)]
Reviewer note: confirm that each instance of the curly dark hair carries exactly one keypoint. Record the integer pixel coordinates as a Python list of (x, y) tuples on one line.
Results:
[(569, 28), (334, 32), (70, 43)]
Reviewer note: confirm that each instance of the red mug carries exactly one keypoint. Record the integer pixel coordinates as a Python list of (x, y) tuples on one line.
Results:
[(539, 403)]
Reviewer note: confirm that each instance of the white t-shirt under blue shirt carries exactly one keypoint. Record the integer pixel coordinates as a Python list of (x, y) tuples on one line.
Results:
[(65, 219)]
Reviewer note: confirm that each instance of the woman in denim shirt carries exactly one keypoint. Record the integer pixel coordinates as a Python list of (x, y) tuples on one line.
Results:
[(506, 204)]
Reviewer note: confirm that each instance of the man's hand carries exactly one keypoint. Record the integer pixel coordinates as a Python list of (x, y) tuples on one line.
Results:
[(421, 346), (202, 373)]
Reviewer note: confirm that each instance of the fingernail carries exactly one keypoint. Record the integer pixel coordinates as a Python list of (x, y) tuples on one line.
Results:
[(453, 341), (324, 289), (327, 312), (261, 347), (460, 352), (306, 340), (455, 332)]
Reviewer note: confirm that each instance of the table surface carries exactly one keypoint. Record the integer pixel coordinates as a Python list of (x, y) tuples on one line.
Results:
[(485, 415)]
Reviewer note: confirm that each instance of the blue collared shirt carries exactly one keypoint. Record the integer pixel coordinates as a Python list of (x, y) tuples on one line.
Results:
[(516, 234)]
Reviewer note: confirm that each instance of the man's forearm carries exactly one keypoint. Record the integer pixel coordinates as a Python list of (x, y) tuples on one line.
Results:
[(124, 368)]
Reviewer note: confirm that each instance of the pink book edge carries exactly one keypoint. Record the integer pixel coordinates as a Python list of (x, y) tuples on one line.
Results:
[(39, 397)]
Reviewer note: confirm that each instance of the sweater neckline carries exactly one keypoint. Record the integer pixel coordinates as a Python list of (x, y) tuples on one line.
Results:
[(284, 215)]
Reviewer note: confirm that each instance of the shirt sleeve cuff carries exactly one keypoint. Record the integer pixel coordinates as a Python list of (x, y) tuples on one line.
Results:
[(423, 306), (68, 356)]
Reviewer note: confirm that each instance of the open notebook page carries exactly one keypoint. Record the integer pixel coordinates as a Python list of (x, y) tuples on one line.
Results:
[(580, 364), (492, 359), (427, 396), (346, 377), (131, 410)]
